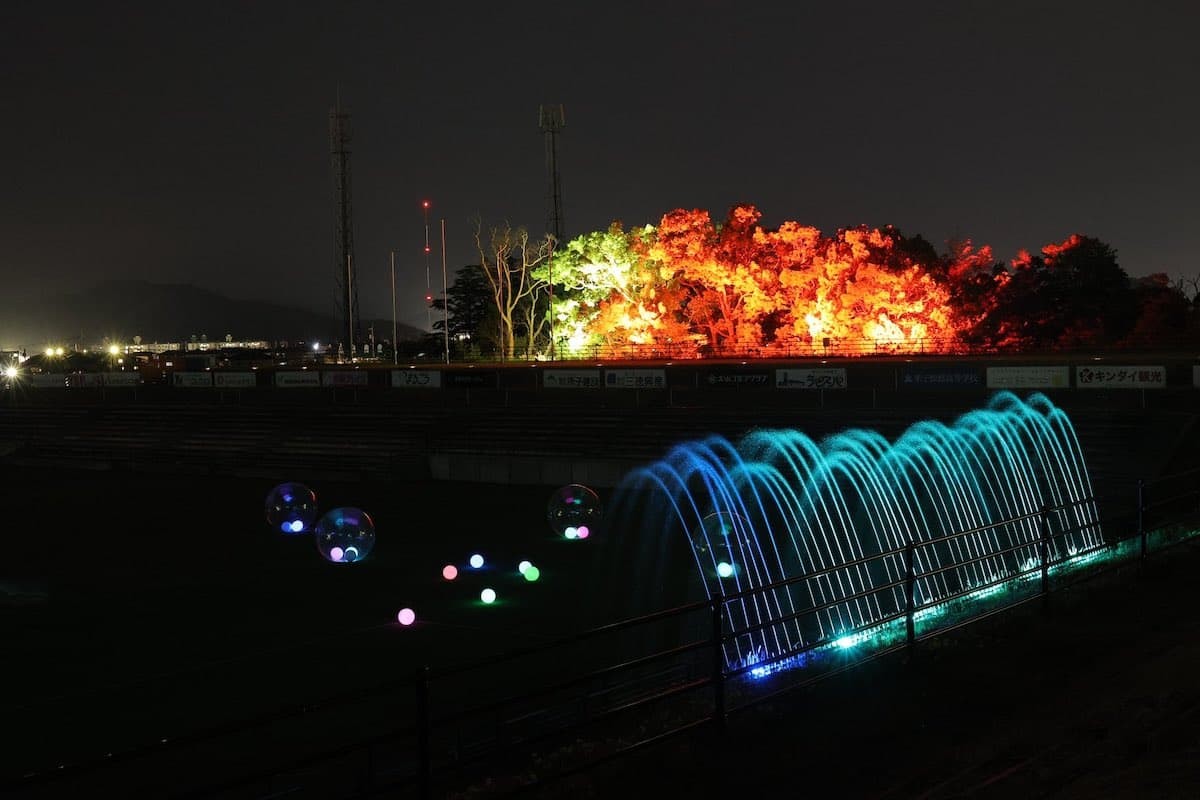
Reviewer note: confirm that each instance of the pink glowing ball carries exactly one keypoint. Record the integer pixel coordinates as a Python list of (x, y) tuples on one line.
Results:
[(449, 572), (406, 616)]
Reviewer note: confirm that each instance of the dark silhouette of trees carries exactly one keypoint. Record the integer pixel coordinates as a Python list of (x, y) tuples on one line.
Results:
[(1072, 295)]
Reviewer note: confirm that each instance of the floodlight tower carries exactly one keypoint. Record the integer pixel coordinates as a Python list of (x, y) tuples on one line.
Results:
[(345, 284), (551, 121)]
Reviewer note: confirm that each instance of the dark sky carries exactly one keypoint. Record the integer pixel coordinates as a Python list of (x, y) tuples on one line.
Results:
[(188, 141)]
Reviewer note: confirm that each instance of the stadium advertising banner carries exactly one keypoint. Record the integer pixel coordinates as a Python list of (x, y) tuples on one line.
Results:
[(40, 380), (736, 379), (816, 378), (348, 377), (192, 380), (85, 379), (416, 379), (299, 379), (1107, 376), (940, 378), (635, 379), (122, 378), (470, 379), (1028, 377), (571, 379), (235, 380)]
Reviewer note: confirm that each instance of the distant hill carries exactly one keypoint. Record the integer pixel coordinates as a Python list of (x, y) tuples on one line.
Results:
[(121, 310)]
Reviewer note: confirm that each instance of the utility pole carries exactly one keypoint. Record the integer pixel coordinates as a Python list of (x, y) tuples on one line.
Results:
[(395, 351)]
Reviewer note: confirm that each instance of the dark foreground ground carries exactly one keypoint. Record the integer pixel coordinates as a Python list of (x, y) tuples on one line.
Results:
[(188, 612)]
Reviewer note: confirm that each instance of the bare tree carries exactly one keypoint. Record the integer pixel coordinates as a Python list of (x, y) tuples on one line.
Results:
[(508, 258)]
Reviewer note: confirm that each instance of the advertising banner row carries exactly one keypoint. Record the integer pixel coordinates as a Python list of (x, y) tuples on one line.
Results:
[(1099, 376)]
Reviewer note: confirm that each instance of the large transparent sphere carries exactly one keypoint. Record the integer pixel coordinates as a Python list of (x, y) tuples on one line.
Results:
[(574, 512), (291, 508), (345, 535), (715, 536)]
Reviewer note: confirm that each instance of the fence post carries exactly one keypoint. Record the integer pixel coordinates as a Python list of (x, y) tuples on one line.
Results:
[(1045, 549), (424, 762), (718, 661), (1141, 516), (910, 586)]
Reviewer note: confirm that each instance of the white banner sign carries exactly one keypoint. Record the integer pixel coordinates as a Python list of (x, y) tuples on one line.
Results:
[(292, 380), (85, 379), (44, 380), (1028, 377), (635, 379), (192, 380), (1105, 376), (354, 377), (416, 378), (817, 378), (571, 379), (235, 380), (122, 379)]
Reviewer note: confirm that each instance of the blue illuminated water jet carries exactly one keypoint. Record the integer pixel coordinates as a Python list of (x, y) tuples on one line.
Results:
[(777, 505)]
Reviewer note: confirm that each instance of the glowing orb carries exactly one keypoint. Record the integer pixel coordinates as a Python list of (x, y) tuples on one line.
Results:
[(476, 561), (524, 565), (572, 508), (488, 596), (532, 574), (291, 508), (406, 616), (724, 569), (449, 572), (345, 535)]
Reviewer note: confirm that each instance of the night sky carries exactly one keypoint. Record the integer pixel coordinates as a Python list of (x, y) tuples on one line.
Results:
[(187, 142)]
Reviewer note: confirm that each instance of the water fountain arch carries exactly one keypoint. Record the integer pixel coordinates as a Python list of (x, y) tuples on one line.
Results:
[(809, 537)]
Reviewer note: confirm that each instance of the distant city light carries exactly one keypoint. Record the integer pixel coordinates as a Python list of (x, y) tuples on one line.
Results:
[(316, 345), (113, 350), (10, 372)]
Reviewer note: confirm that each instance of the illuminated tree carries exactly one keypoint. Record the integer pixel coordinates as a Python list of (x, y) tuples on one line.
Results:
[(726, 294), (610, 293), (508, 259)]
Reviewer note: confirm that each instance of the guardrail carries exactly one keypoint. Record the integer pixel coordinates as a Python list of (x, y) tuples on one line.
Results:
[(643, 680)]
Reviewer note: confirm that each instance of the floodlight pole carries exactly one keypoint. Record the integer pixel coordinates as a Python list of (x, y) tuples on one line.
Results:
[(445, 297), (395, 352)]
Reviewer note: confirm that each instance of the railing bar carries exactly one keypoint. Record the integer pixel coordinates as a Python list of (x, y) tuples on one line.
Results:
[(492, 705)]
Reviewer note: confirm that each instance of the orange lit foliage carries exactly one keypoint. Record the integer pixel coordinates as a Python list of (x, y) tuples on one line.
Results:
[(698, 288), (748, 288)]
